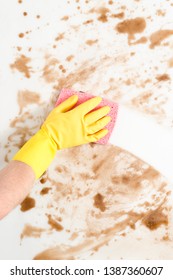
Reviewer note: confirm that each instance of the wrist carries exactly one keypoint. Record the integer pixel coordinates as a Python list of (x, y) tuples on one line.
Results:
[(38, 152)]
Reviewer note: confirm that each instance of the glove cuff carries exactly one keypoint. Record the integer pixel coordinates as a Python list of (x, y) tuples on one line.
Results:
[(38, 153)]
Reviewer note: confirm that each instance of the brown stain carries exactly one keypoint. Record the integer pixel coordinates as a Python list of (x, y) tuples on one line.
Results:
[(50, 72), (99, 202), (57, 253), (80, 75), (54, 224), (45, 191), (21, 35), (31, 231), (91, 42), (145, 82), (88, 21), (142, 102), (61, 67), (170, 63), (22, 132), (38, 16), (20, 1), (43, 180), (25, 14), (62, 169), (19, 48), (128, 82), (53, 254), (44, 177), (73, 236), (142, 40), (102, 12), (100, 239), (157, 37), (134, 181), (131, 27), (166, 237), (163, 78), (69, 58), (21, 65), (97, 167), (155, 219), (26, 97), (160, 13), (65, 18), (119, 15), (85, 176), (55, 183), (27, 204), (59, 37)]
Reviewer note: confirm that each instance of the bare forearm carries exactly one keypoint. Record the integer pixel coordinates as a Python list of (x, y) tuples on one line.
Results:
[(16, 181)]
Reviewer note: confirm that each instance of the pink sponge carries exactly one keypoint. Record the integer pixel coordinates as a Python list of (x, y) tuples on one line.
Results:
[(82, 97)]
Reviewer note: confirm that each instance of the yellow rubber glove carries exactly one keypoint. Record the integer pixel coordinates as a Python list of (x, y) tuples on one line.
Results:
[(64, 127)]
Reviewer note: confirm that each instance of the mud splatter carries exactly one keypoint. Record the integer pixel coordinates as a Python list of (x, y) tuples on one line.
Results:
[(43, 180), (170, 63), (99, 202), (143, 102), (131, 27), (31, 231), (54, 254), (121, 186), (19, 48), (45, 191), (21, 133), (142, 40), (88, 21), (54, 224), (155, 219), (70, 57), (102, 11), (27, 204), (21, 65), (163, 78), (157, 37), (62, 254), (50, 70), (59, 37), (26, 98), (91, 42), (21, 35), (119, 15), (80, 75), (160, 13), (65, 18)]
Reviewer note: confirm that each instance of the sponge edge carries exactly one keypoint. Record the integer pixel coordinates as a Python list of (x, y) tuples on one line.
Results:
[(82, 97)]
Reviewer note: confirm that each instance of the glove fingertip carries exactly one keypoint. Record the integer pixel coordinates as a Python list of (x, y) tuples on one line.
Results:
[(98, 135)]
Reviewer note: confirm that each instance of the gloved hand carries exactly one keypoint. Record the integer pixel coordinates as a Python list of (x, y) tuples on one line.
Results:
[(64, 127)]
